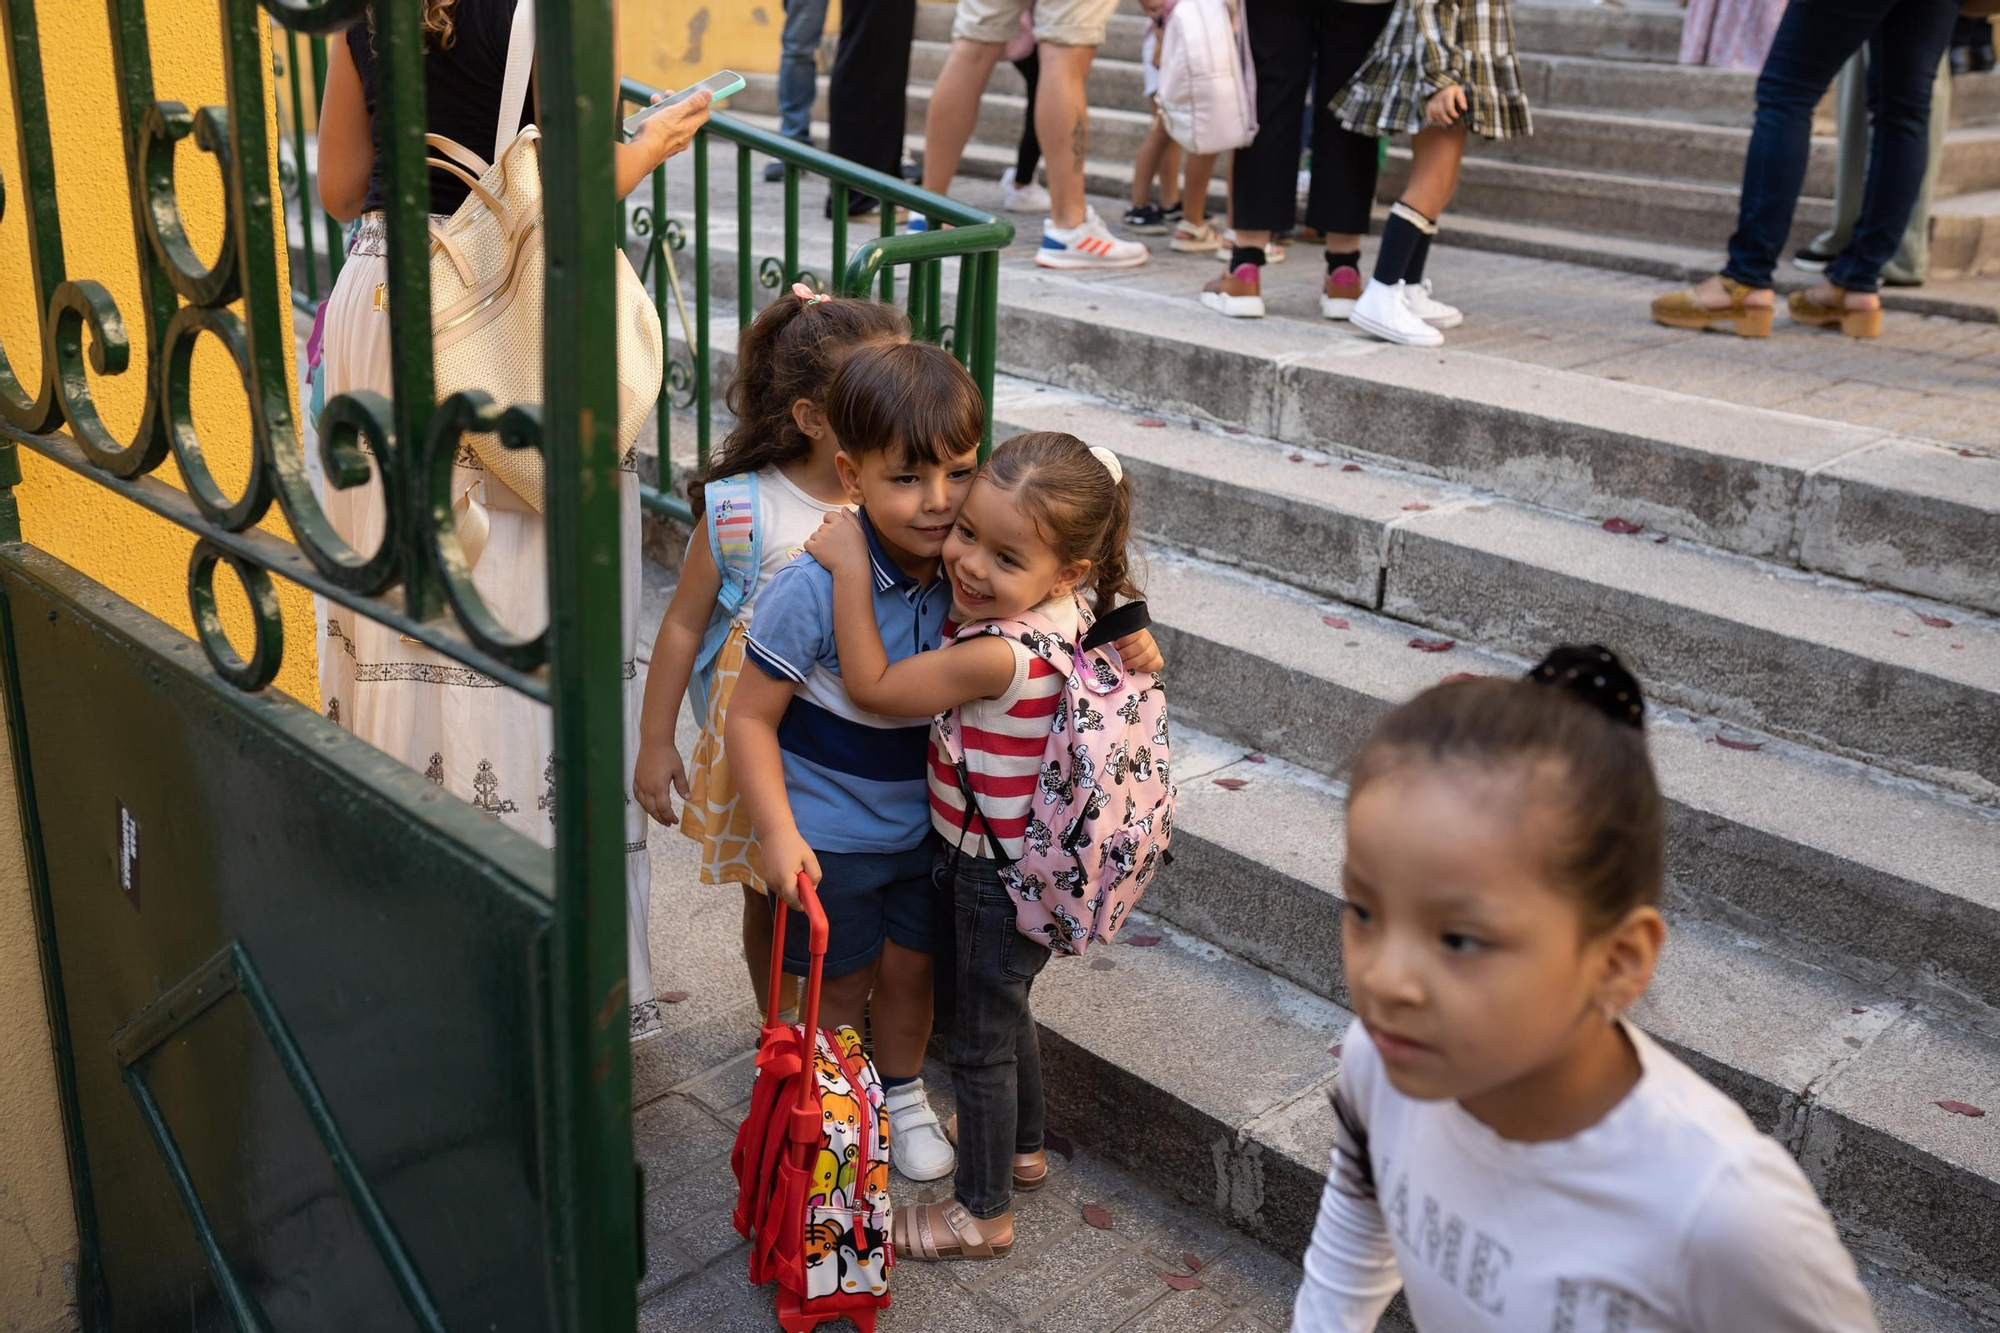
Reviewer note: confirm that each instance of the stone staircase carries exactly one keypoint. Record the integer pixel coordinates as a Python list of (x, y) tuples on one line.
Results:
[(1813, 604), (1629, 145)]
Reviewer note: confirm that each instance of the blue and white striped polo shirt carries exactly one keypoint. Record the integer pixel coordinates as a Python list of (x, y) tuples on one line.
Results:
[(856, 779)]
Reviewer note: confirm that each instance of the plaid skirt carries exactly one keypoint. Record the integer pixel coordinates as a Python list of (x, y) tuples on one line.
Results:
[(1471, 42)]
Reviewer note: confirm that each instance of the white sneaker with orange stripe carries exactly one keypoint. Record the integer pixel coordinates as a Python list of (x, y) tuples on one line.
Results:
[(1090, 245)]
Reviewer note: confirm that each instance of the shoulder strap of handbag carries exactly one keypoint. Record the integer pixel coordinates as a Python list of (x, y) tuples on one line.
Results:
[(514, 88)]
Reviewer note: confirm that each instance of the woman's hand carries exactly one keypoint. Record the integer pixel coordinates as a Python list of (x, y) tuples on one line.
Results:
[(840, 545), (786, 857), (672, 130), (657, 775), (1445, 106)]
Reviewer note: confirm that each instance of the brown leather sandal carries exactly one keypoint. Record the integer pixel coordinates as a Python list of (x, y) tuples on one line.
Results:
[(1031, 1169), (1684, 310), (926, 1232), (1854, 323)]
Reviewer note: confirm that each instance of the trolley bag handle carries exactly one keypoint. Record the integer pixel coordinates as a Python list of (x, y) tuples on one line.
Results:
[(805, 1116)]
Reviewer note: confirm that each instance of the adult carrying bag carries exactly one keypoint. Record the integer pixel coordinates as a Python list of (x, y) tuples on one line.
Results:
[(486, 289)]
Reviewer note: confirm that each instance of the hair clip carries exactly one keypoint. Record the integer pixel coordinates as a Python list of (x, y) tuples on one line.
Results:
[(1592, 674), (1110, 461), (807, 294)]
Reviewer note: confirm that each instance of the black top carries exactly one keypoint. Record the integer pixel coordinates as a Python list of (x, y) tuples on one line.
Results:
[(461, 92)]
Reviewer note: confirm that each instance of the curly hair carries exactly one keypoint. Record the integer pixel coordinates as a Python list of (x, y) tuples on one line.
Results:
[(440, 28)]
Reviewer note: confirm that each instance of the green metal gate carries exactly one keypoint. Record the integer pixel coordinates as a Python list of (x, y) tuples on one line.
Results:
[(335, 1051)]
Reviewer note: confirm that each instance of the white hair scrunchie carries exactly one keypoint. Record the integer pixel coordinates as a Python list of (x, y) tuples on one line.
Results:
[(1110, 461)]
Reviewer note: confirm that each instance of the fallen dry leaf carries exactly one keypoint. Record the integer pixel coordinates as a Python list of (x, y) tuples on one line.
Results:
[(1857, 1011), (672, 997), (1097, 1217), (1335, 1048), (1350, 467), (1730, 743), (1143, 941), (1181, 1281), (1191, 1262), (1056, 1143), (1624, 527), (1962, 1108), (1660, 540), (1234, 430), (1334, 622), (1256, 758), (1153, 422), (1296, 458), (1433, 645), (1415, 505), (1935, 622), (1901, 633), (1970, 453), (1321, 462), (1232, 784)]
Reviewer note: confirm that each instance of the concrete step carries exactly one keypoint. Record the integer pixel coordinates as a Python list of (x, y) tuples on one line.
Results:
[(1649, 33), (1912, 1187)]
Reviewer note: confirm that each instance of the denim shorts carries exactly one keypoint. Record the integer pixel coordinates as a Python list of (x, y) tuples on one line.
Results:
[(869, 897)]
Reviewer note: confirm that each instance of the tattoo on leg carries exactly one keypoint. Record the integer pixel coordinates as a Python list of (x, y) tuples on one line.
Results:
[(1079, 138)]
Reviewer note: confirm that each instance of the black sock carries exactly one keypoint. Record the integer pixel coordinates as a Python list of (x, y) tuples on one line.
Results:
[(1239, 255), (1414, 272), (1399, 245), (1337, 259)]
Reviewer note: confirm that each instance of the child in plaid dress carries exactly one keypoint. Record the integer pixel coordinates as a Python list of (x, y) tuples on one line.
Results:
[(1442, 69)]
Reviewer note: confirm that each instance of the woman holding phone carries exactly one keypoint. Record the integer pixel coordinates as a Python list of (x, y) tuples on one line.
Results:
[(485, 744)]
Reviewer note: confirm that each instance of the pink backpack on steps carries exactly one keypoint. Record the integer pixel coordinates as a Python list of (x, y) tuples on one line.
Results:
[(1103, 813)]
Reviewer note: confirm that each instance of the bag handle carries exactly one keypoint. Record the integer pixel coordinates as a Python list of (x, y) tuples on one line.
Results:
[(1117, 624), (816, 945), (514, 88)]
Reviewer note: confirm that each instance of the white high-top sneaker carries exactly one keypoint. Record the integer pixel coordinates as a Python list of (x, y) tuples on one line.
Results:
[(917, 1145), (1384, 310), (1429, 309)]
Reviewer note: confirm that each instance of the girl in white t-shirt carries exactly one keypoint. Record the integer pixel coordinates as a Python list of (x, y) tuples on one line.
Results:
[(767, 490), (1510, 1150)]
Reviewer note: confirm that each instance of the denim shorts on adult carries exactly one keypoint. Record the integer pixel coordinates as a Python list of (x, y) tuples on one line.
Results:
[(868, 897), (1058, 22)]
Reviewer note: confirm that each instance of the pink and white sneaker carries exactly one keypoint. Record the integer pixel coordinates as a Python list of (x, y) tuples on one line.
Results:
[(1088, 245)]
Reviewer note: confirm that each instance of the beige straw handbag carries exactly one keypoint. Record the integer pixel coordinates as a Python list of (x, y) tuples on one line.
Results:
[(486, 299)]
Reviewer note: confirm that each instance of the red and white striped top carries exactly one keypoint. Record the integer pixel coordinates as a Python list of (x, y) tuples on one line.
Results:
[(1003, 739)]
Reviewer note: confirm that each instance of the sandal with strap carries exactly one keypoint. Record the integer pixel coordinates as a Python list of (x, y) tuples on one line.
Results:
[(1854, 323), (926, 1232), (1684, 310), (1031, 1169)]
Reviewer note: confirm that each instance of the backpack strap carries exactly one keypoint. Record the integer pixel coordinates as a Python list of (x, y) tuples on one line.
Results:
[(1123, 622), (733, 538)]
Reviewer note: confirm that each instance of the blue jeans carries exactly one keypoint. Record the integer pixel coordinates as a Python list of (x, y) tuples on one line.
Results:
[(1814, 39), (992, 1046), (798, 67)]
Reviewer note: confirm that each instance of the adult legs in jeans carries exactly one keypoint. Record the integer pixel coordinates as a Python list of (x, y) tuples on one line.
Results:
[(1814, 39), (798, 67), (995, 1056)]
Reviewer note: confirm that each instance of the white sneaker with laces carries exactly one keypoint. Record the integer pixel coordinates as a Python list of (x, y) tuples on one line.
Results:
[(1018, 198), (1384, 310), (1430, 310), (917, 1145), (1087, 245)]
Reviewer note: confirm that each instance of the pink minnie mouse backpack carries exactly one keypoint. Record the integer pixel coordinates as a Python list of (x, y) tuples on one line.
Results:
[(1101, 818)]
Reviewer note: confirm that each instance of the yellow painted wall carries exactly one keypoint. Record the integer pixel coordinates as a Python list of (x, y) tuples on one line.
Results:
[(140, 557)]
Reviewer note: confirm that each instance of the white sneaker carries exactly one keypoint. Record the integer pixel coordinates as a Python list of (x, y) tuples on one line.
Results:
[(1017, 198), (917, 1145), (1431, 311), (1089, 245), (1384, 311)]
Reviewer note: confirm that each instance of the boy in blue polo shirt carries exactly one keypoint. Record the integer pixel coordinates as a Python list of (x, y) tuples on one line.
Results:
[(838, 792)]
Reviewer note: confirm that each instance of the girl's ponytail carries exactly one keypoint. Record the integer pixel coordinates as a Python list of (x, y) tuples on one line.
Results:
[(1111, 573)]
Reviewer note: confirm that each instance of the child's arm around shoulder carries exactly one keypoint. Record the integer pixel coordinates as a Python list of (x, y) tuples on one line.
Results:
[(658, 771), (1762, 1253), (918, 685)]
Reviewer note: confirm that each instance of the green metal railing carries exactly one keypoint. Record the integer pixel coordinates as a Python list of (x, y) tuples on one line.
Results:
[(293, 54), (970, 235), (417, 580)]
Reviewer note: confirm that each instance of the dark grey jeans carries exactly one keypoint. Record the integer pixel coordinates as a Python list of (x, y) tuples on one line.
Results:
[(995, 1056)]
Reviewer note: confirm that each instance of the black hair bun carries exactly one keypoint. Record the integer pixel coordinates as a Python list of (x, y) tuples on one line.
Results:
[(1593, 674)]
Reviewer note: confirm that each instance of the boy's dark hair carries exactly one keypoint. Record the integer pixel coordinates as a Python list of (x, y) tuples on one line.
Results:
[(791, 351), (912, 397), (1580, 708)]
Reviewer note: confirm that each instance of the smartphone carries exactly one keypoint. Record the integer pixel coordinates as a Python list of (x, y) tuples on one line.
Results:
[(722, 83)]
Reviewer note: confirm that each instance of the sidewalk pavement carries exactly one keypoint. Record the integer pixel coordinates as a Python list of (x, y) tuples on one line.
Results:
[(1065, 1275)]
